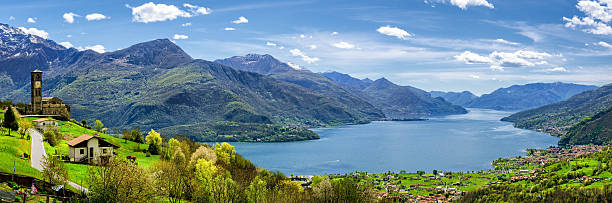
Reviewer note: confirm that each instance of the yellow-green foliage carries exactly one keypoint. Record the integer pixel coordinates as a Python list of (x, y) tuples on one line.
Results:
[(225, 152), (153, 138)]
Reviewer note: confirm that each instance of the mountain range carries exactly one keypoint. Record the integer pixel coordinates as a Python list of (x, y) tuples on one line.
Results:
[(521, 97), (458, 98), (395, 101), (157, 85), (558, 117)]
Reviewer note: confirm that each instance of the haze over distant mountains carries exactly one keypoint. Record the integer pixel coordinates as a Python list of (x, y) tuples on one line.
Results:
[(516, 97)]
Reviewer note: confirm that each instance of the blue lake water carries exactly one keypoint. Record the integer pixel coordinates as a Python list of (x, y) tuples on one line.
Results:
[(458, 143)]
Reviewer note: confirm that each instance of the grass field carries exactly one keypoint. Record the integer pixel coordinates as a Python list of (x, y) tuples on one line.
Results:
[(13, 147)]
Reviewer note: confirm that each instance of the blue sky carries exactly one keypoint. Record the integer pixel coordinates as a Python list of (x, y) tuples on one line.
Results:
[(449, 45)]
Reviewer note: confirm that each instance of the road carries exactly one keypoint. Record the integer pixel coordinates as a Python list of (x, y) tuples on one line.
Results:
[(37, 155)]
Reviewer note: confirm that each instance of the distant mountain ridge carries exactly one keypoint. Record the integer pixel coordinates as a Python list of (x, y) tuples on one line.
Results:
[(394, 100), (557, 118), (521, 97), (268, 65), (457, 98)]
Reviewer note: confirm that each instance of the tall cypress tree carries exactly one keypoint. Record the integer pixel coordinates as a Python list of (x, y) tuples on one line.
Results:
[(10, 121)]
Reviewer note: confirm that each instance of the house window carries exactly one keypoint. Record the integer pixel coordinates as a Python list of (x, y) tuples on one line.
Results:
[(103, 151), (82, 151)]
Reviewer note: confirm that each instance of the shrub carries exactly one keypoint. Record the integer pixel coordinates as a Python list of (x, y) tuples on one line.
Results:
[(148, 154), (50, 137)]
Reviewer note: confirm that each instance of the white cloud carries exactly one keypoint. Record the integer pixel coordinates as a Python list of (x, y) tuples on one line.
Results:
[(241, 19), (501, 60), (34, 31), (31, 20), (69, 17), (472, 58), (475, 76), (307, 59), (96, 16), (69, 36), (12, 18), (334, 33), (463, 4), (97, 48), (598, 16), (66, 44), (229, 28), (312, 46), (186, 24), (503, 41), (151, 12), (281, 47), (343, 45), (596, 10), (302, 36), (197, 9), (294, 66), (178, 36), (394, 31), (270, 44), (605, 44), (556, 69)]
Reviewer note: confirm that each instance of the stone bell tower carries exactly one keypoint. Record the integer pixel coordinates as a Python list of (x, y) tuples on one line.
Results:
[(36, 91)]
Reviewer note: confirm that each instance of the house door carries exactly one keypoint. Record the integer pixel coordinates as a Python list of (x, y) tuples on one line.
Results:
[(91, 153)]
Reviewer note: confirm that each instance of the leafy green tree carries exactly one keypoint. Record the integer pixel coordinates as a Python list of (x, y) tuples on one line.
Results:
[(137, 136), (10, 120), (127, 135), (50, 137), (257, 191), (225, 152), (84, 123), (24, 125), (421, 173), (154, 140), (98, 125)]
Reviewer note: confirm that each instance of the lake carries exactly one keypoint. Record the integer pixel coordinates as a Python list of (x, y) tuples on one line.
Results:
[(456, 143)]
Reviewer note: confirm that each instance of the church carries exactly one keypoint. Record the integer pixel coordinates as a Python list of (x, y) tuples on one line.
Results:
[(44, 106)]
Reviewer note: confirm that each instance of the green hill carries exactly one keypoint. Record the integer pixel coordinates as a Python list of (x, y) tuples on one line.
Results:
[(557, 118), (595, 130)]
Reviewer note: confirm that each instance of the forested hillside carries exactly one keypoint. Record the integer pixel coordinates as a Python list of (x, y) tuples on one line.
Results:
[(557, 118)]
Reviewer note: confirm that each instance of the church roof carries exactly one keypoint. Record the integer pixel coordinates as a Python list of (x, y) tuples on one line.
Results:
[(50, 98), (37, 71)]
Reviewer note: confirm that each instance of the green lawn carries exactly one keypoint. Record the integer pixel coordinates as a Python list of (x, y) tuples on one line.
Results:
[(11, 150), (11, 147)]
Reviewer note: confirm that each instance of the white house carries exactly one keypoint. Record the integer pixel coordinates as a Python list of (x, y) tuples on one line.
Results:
[(45, 124), (90, 149)]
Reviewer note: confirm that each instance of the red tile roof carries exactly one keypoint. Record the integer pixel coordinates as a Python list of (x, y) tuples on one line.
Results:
[(41, 120), (79, 139)]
